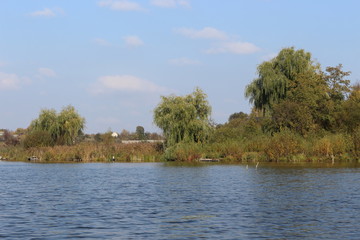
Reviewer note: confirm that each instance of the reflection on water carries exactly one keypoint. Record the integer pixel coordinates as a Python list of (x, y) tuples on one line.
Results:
[(172, 201)]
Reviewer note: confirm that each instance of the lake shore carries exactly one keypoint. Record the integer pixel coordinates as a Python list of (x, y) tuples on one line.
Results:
[(154, 152)]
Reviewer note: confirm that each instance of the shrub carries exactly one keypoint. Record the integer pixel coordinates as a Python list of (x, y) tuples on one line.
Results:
[(331, 146), (356, 142), (184, 152), (283, 146), (38, 138)]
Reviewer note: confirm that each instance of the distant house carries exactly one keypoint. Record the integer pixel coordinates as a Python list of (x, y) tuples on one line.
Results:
[(115, 135)]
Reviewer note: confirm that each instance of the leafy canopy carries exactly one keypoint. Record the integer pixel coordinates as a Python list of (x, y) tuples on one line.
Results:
[(277, 76), (63, 128), (184, 119)]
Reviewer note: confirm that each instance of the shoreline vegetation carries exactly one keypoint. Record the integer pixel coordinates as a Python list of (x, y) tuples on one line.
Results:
[(300, 114)]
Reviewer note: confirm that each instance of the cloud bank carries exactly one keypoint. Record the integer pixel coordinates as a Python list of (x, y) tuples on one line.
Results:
[(47, 12), (234, 47), (121, 5), (205, 33), (223, 42), (124, 83), (8, 81), (184, 62), (133, 41), (170, 3), (46, 72)]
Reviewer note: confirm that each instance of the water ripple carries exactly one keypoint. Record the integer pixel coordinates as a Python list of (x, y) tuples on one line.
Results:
[(160, 201)]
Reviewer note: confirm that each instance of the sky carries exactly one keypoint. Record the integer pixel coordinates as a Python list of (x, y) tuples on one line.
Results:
[(114, 59)]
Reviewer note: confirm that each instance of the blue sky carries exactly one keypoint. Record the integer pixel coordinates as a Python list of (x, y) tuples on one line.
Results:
[(113, 59)]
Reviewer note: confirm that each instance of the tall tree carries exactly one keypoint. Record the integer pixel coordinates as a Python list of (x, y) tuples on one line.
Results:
[(47, 121), (63, 128), (339, 87), (140, 133), (71, 124), (184, 119), (277, 76), (349, 116)]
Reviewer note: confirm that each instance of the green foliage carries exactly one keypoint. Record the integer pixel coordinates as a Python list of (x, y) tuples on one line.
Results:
[(283, 146), (38, 138), (107, 138), (356, 142), (348, 117), (331, 146), (293, 116), (184, 151), (63, 128), (295, 94), (140, 133), (71, 125), (276, 77), (184, 119), (339, 87), (237, 129), (239, 115)]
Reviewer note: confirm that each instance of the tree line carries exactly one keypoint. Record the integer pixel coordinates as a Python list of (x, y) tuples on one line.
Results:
[(300, 113)]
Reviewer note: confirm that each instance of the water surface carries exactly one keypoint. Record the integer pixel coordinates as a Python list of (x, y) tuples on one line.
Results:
[(165, 201)]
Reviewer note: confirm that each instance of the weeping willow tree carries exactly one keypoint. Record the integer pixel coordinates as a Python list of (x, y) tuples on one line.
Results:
[(277, 76), (184, 119), (47, 122), (63, 128), (71, 125)]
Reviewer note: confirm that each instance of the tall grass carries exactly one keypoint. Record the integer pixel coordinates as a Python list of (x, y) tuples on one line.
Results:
[(87, 152), (283, 146)]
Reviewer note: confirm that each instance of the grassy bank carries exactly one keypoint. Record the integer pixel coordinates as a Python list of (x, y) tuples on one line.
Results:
[(87, 152), (285, 146)]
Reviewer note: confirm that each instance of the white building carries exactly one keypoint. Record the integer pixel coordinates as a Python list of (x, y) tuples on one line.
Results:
[(115, 135)]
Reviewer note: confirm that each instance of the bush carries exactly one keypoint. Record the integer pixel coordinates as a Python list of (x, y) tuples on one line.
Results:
[(330, 146), (38, 138), (283, 146), (184, 152), (356, 142)]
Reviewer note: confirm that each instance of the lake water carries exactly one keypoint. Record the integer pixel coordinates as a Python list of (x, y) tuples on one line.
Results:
[(166, 201)]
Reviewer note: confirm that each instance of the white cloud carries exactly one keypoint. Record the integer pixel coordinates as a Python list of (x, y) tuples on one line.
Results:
[(102, 42), (184, 62), (234, 47), (133, 41), (223, 42), (170, 3), (46, 12), (121, 5), (46, 72), (126, 83), (9, 81), (205, 33)]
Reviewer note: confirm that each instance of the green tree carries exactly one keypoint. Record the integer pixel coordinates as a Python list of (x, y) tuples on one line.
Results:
[(339, 87), (71, 125), (349, 116), (63, 128), (277, 76), (140, 133), (239, 115), (47, 121), (38, 138), (184, 119)]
